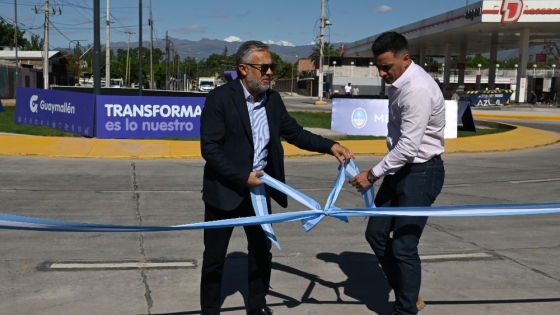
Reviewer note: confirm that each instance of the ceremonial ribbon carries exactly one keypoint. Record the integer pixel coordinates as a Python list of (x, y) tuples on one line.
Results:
[(258, 197), (309, 218)]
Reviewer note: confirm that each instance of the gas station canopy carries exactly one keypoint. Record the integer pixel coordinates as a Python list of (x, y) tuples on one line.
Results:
[(487, 26), (473, 27)]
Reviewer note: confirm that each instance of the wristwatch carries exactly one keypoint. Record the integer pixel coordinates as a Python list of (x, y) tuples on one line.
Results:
[(371, 176)]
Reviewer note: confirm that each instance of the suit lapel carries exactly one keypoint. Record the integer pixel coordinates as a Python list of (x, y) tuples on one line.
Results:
[(241, 104)]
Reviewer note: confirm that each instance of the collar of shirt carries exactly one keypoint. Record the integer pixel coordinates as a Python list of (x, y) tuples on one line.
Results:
[(405, 76), (250, 99)]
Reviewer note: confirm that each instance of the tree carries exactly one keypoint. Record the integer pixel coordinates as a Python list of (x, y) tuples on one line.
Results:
[(7, 32), (328, 50), (36, 43), (478, 59)]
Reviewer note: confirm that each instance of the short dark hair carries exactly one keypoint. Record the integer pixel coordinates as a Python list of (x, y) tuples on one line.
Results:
[(390, 42)]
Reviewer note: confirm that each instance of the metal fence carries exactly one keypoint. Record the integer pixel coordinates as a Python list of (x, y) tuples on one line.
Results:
[(6, 82)]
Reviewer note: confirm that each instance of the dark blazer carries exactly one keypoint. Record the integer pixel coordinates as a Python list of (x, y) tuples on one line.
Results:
[(226, 143)]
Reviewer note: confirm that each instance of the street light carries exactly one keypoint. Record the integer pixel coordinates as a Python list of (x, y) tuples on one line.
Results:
[(334, 70), (553, 67), (496, 76), (352, 69), (292, 89), (370, 64), (479, 66), (515, 78), (534, 70)]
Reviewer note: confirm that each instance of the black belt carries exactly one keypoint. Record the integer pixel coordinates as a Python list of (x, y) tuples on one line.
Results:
[(435, 158)]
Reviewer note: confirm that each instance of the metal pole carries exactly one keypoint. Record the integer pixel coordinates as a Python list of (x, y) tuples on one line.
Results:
[(320, 90), (96, 47), (107, 47), (292, 88), (127, 70), (140, 52), (151, 48), (16, 44), (46, 49), (166, 61)]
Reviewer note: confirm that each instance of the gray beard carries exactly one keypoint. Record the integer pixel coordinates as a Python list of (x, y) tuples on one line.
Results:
[(256, 86)]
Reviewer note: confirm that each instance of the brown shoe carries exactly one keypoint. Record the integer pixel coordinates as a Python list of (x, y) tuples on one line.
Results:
[(419, 304)]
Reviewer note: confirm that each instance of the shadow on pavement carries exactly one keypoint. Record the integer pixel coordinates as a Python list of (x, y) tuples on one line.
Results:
[(365, 283)]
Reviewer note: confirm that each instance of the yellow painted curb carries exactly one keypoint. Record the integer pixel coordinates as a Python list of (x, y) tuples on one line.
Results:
[(520, 138), (524, 117)]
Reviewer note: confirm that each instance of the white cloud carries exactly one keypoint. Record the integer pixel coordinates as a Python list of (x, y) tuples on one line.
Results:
[(279, 43), (383, 9), (190, 29), (232, 39)]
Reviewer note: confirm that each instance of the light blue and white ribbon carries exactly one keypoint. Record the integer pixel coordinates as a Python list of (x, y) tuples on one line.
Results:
[(258, 197), (309, 218)]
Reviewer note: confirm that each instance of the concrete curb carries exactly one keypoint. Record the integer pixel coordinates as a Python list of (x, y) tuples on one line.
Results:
[(525, 117), (519, 138)]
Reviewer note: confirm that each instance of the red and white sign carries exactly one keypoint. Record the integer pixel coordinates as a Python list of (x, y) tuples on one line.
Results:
[(511, 11), (541, 58)]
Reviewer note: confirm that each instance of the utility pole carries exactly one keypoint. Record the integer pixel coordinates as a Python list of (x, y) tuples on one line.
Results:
[(292, 88), (151, 48), (322, 39), (107, 47), (17, 81), (140, 53), (96, 47), (46, 48), (46, 42), (127, 70), (167, 61)]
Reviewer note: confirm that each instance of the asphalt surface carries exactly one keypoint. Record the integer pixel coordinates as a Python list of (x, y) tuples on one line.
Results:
[(487, 265)]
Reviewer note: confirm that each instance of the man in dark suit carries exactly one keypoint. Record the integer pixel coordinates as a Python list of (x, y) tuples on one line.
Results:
[(241, 126)]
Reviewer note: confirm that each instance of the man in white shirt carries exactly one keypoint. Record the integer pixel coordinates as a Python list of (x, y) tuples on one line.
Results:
[(413, 170), (355, 91), (348, 89)]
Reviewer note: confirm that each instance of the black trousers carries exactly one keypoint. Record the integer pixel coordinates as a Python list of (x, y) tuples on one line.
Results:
[(216, 242)]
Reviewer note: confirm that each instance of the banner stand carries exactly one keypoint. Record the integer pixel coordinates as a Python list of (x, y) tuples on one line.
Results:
[(465, 116)]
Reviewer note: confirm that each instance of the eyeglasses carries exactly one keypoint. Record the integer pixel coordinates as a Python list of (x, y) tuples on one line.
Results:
[(263, 68)]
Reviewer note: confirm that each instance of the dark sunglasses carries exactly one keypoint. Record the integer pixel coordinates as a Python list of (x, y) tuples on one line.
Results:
[(263, 68)]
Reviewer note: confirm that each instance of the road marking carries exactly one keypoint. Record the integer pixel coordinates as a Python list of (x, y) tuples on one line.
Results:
[(456, 185), (456, 256), (115, 265), (535, 181)]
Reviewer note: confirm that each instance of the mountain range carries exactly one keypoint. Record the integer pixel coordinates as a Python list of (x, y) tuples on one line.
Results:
[(205, 47)]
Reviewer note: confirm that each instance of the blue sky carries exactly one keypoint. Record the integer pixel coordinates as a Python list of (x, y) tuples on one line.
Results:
[(295, 22)]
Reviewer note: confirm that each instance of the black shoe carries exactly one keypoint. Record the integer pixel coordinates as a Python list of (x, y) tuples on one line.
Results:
[(263, 311)]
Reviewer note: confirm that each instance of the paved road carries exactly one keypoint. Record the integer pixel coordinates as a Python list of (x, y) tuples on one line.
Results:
[(508, 265), (330, 270)]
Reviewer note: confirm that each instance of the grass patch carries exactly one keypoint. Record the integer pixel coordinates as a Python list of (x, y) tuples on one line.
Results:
[(306, 119), (8, 124)]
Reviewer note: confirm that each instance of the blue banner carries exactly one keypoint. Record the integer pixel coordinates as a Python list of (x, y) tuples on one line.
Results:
[(68, 111), (1, 107), (145, 117)]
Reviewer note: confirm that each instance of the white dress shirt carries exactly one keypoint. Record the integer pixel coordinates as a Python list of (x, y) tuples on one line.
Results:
[(416, 121)]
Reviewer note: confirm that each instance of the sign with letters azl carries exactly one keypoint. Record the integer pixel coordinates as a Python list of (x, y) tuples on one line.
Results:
[(68, 111), (142, 117)]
